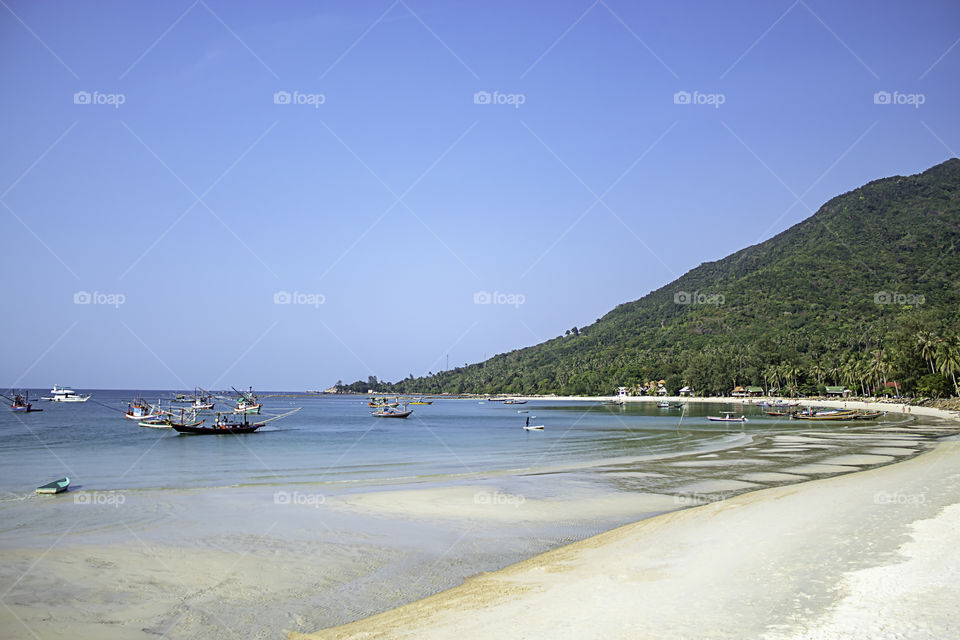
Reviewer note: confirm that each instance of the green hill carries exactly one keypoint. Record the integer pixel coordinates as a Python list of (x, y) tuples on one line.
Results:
[(864, 292)]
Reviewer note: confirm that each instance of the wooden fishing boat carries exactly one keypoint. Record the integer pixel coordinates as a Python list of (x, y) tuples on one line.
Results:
[(139, 410), (57, 486), (779, 413), (386, 412), (20, 403), (247, 403), (727, 417), (421, 401), (159, 422), (226, 425)]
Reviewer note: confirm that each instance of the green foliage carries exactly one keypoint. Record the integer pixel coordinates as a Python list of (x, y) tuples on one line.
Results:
[(854, 295)]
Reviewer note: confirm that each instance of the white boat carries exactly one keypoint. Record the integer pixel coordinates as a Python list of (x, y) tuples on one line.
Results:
[(663, 405), (727, 417), (536, 427), (62, 394)]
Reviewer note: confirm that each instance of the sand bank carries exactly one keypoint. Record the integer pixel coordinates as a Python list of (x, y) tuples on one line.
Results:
[(863, 555)]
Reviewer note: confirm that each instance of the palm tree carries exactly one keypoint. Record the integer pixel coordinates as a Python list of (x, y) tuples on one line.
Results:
[(948, 360), (926, 341), (817, 371)]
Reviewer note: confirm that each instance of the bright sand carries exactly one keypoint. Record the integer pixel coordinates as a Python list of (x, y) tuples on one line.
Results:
[(864, 555)]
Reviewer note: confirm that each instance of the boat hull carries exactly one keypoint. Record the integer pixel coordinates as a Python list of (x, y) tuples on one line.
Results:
[(57, 486), (215, 431), (393, 414)]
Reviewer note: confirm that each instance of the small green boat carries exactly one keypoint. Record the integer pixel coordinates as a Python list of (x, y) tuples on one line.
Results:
[(55, 487)]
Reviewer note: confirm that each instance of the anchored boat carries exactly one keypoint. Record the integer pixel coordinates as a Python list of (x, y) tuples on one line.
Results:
[(57, 486)]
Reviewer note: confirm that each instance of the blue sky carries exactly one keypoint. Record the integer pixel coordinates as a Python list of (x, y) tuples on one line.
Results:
[(286, 194)]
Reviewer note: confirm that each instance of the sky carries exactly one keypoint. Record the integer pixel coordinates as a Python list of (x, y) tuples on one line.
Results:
[(288, 194)]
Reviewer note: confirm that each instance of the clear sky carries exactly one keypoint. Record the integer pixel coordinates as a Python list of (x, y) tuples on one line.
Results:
[(284, 194)]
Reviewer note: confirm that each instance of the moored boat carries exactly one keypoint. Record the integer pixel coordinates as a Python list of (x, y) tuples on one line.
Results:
[(62, 394), (57, 486), (20, 403), (727, 416)]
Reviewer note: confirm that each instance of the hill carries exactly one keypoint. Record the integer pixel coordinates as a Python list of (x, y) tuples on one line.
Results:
[(864, 292)]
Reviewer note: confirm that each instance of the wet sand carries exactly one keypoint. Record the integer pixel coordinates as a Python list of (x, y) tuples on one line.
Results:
[(861, 555)]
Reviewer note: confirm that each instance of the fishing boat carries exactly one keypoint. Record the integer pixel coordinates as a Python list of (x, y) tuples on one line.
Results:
[(247, 403), (663, 405), (512, 401), (139, 410), (727, 417), (62, 394), (159, 422), (389, 412), (57, 486), (226, 424), (779, 413), (20, 403), (421, 401)]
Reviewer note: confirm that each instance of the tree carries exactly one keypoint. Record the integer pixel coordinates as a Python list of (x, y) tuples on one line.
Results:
[(948, 360)]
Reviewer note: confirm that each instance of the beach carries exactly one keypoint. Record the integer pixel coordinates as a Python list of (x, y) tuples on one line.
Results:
[(863, 555), (415, 528)]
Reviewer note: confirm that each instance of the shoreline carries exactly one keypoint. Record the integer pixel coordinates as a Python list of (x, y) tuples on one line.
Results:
[(889, 407), (632, 578)]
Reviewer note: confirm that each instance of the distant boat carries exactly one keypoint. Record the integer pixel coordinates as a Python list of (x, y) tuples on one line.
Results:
[(727, 417), (421, 401), (139, 410), (247, 403), (512, 401), (224, 425), (534, 427), (21, 403), (57, 486), (159, 422), (663, 405), (389, 412), (62, 394)]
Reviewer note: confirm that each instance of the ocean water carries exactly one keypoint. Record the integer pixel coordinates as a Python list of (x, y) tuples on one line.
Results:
[(334, 439)]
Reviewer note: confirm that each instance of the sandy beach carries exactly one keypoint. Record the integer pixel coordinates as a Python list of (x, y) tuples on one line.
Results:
[(862, 555)]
